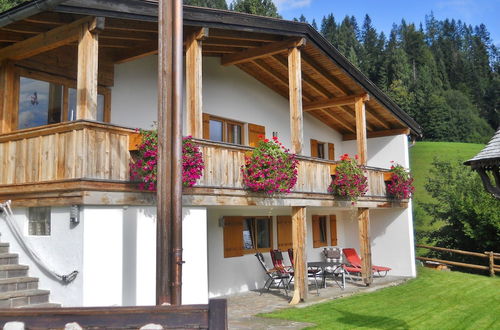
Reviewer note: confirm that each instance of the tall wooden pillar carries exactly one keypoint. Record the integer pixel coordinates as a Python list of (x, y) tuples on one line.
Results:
[(359, 106), (169, 182), (194, 115), (299, 231), (295, 92), (364, 245), (86, 84), (8, 93)]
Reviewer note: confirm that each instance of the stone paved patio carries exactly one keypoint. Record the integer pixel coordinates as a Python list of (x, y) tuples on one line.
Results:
[(243, 307)]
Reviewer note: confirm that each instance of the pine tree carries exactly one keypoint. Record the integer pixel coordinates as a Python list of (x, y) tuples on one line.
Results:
[(348, 43), (314, 25), (256, 7), (329, 29), (218, 4)]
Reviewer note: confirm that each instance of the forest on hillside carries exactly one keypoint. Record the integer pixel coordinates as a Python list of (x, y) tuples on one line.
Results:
[(444, 73)]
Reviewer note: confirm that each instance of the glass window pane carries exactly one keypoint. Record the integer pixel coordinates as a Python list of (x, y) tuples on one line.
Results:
[(40, 103), (263, 233), (248, 234), (72, 105), (234, 132), (216, 127), (321, 150), (39, 221), (322, 229)]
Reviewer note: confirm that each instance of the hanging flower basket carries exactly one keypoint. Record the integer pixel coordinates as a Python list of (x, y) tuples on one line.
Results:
[(348, 180), (400, 183), (270, 168), (144, 167)]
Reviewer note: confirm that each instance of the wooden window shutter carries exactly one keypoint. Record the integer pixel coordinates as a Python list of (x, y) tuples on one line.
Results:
[(233, 237), (333, 230), (206, 126), (254, 131), (314, 148), (316, 231), (331, 151), (285, 241)]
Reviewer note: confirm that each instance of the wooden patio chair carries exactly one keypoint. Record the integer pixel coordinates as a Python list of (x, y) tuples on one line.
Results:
[(275, 278), (355, 261)]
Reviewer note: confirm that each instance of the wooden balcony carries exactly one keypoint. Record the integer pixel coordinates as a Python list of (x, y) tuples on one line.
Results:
[(222, 182), (85, 162)]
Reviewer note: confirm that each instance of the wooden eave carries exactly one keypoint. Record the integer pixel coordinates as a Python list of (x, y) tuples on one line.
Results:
[(131, 32)]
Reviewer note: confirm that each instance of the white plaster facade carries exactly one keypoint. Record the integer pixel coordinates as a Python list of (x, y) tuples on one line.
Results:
[(113, 247)]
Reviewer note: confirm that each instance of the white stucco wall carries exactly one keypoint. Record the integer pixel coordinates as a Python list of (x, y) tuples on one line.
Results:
[(61, 251), (382, 150), (227, 92)]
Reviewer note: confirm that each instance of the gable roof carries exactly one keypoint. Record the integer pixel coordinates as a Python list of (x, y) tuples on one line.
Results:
[(381, 110)]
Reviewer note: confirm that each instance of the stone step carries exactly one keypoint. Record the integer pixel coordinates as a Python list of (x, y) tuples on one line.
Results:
[(9, 258), (44, 305), (18, 283), (9, 271), (4, 247), (13, 299)]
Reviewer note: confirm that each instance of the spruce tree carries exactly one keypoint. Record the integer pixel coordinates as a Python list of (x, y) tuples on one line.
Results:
[(256, 7)]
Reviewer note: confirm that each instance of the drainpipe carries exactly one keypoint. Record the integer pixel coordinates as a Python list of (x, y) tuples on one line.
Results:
[(29, 9)]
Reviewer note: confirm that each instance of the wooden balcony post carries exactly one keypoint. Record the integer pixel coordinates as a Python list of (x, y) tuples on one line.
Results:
[(8, 95), (194, 83), (359, 105), (295, 92), (364, 244), (299, 231), (88, 50)]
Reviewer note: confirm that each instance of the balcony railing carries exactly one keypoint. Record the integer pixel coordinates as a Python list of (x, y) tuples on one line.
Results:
[(223, 163), (71, 150)]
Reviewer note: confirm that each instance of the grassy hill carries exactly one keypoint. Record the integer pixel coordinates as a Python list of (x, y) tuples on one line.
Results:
[(422, 154)]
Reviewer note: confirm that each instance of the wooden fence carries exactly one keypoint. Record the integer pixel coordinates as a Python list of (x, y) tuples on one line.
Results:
[(211, 316), (491, 256)]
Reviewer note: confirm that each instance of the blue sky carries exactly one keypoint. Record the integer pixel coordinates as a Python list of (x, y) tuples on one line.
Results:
[(385, 12)]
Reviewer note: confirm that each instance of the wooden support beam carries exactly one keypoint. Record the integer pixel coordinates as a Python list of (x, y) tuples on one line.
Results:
[(194, 94), (263, 51), (88, 58), (47, 40), (336, 102), (361, 130), (364, 245), (299, 234), (375, 134), (295, 99), (8, 96)]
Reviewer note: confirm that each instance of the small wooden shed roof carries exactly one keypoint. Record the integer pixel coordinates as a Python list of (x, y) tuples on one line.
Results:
[(489, 156)]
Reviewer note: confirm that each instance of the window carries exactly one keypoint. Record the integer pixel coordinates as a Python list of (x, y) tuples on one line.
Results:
[(246, 235), (318, 149), (45, 99), (39, 221), (319, 230), (222, 130)]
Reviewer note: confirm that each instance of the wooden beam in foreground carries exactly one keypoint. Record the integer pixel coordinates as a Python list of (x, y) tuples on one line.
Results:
[(264, 51), (364, 244), (295, 99), (299, 231), (48, 40), (8, 93), (194, 83), (336, 102), (375, 134), (361, 130), (88, 54)]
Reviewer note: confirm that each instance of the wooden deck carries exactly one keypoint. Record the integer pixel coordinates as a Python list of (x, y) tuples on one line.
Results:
[(85, 162)]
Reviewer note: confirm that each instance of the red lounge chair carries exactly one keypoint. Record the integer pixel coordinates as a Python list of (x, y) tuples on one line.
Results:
[(353, 258)]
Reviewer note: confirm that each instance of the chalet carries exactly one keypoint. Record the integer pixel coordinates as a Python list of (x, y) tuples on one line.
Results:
[(77, 77)]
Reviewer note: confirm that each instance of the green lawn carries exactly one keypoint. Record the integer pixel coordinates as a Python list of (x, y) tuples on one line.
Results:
[(434, 300)]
